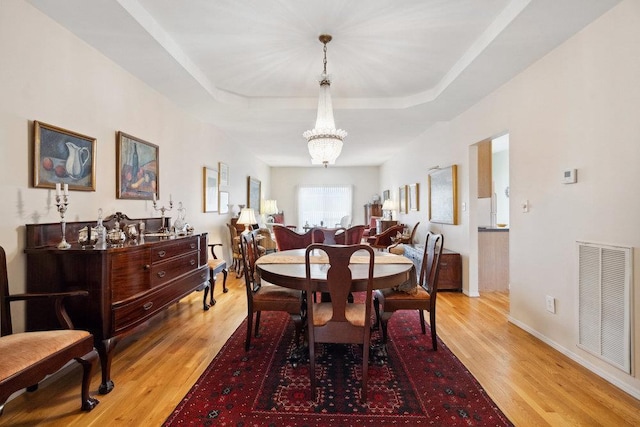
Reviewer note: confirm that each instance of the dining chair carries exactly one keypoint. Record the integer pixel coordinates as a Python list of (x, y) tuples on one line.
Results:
[(339, 321), (421, 297), (28, 357), (351, 236), (236, 256), (327, 236), (216, 266), (265, 296)]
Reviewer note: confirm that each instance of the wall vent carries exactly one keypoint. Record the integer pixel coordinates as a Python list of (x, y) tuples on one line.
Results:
[(604, 314)]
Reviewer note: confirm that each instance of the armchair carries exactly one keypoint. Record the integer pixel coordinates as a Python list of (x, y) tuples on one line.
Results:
[(290, 239), (383, 240), (29, 357), (372, 228)]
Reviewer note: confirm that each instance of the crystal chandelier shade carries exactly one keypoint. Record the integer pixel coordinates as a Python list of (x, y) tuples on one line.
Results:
[(324, 141)]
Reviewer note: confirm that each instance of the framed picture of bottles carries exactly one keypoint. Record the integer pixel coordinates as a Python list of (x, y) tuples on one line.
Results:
[(63, 157), (137, 174)]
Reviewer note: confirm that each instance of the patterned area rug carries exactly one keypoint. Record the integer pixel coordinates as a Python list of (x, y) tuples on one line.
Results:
[(416, 386)]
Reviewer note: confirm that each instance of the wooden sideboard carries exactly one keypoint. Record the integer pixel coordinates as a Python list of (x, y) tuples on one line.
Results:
[(372, 209), (127, 285), (450, 275)]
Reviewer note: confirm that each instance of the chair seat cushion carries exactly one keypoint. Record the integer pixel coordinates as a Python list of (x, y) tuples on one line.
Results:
[(392, 300), (28, 348), (270, 292), (322, 313), (215, 264)]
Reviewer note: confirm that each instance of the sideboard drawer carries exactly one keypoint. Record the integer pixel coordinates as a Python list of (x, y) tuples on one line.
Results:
[(142, 308), (163, 272), (169, 250)]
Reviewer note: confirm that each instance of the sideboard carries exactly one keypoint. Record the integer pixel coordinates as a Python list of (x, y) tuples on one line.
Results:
[(450, 275), (127, 284)]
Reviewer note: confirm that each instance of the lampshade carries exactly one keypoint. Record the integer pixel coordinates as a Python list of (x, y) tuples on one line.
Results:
[(388, 205), (247, 217), (324, 141), (270, 207)]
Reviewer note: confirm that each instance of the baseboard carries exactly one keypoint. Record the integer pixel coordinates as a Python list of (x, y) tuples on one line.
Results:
[(576, 358)]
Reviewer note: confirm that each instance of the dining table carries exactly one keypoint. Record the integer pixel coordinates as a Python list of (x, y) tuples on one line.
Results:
[(288, 269)]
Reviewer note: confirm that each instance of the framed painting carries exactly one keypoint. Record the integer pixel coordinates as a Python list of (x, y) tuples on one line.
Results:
[(253, 194), (223, 200), (386, 195), (414, 197), (210, 189), (223, 177), (402, 199), (137, 168), (64, 157), (443, 195)]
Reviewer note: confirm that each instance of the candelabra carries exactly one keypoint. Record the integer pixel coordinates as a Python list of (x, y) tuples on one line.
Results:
[(163, 226), (62, 201)]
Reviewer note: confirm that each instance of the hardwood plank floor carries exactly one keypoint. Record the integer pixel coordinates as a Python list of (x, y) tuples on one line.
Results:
[(154, 368)]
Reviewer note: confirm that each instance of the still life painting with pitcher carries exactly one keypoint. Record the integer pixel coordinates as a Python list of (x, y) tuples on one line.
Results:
[(63, 156)]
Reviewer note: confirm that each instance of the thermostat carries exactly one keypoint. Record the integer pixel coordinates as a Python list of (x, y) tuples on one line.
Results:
[(570, 176)]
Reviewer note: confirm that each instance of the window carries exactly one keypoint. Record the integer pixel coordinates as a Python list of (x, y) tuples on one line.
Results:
[(323, 205)]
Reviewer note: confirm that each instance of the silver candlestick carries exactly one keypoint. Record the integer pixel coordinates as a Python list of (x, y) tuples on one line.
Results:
[(163, 227), (62, 201)]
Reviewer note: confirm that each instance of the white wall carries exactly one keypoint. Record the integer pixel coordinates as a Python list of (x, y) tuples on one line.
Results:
[(48, 75), (575, 108), (284, 183)]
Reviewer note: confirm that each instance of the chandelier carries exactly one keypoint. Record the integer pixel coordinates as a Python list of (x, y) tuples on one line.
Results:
[(324, 141)]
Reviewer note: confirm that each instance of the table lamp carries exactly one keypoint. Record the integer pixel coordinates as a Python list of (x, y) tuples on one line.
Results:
[(270, 208), (388, 207), (247, 217)]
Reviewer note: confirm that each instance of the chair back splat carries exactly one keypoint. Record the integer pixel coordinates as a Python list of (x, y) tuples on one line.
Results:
[(338, 321), (290, 239)]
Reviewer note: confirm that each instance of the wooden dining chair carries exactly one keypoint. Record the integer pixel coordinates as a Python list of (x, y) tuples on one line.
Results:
[(421, 297), (383, 240), (265, 296), (339, 321), (234, 242), (351, 236), (28, 357)]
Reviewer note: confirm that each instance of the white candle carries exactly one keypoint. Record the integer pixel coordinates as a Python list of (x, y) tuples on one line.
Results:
[(57, 188), (66, 189), (170, 198), (154, 197)]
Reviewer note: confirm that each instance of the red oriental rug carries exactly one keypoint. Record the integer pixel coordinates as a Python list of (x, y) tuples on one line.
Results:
[(416, 386)]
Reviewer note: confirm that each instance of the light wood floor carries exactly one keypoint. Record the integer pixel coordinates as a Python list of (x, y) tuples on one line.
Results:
[(153, 369)]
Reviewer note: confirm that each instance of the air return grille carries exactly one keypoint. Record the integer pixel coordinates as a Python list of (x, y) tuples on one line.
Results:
[(605, 302)]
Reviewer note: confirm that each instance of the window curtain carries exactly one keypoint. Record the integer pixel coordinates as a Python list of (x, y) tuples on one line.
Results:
[(324, 205)]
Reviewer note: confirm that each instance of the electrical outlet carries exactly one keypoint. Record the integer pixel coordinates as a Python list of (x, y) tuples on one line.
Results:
[(551, 304)]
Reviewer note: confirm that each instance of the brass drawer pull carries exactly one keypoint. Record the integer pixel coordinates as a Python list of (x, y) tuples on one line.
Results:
[(193, 246), (161, 254), (161, 274), (148, 306), (192, 262), (147, 267)]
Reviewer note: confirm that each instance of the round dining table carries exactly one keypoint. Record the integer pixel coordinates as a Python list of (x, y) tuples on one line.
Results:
[(287, 268)]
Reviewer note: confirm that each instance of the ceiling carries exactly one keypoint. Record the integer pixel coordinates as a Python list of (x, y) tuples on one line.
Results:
[(250, 67)]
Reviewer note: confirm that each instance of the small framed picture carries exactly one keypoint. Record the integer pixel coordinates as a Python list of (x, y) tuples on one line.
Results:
[(386, 195), (223, 177), (414, 197), (210, 189), (253, 194), (402, 199), (137, 174), (223, 203), (62, 156)]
